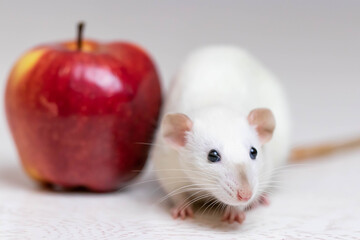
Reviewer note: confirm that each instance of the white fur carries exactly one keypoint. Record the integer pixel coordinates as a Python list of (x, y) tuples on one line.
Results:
[(217, 87)]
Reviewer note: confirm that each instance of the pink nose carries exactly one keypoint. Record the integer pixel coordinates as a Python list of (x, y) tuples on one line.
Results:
[(244, 195)]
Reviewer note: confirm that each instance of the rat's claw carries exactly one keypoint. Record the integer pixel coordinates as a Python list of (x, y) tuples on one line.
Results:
[(182, 212), (232, 214)]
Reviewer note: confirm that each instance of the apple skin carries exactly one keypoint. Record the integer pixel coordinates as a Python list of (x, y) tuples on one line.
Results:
[(81, 118)]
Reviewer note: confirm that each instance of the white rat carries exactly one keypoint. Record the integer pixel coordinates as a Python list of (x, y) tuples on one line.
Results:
[(217, 138)]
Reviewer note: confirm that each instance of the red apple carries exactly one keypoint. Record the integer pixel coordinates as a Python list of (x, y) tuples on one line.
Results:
[(80, 112)]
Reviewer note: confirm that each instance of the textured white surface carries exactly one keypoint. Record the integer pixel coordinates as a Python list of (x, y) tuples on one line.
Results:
[(313, 46), (315, 201)]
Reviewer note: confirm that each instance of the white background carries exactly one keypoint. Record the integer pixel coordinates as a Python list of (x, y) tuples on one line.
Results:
[(312, 46)]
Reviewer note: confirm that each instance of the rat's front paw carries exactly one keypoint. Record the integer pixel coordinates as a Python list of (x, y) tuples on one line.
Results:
[(182, 212), (233, 214)]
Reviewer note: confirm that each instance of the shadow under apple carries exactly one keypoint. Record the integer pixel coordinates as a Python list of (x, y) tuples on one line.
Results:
[(13, 176)]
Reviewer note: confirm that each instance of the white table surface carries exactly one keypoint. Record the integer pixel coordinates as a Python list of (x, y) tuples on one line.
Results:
[(314, 48), (317, 201)]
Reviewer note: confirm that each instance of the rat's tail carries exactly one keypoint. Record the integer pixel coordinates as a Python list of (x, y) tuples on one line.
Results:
[(299, 154)]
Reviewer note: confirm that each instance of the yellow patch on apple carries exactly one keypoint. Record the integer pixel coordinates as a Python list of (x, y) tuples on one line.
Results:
[(26, 63), (33, 173)]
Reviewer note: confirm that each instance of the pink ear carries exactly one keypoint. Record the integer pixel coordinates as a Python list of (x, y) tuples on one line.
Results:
[(264, 122), (174, 128)]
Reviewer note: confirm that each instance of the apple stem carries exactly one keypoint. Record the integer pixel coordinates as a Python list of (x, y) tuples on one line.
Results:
[(80, 29)]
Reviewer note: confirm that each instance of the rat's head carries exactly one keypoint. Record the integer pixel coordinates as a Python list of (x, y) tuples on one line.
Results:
[(221, 150)]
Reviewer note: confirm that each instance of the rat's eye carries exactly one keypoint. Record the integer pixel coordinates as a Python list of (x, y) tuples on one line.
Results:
[(253, 153), (214, 156)]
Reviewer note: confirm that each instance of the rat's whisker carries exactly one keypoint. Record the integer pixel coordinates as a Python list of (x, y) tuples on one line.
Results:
[(155, 180), (212, 199), (184, 188), (198, 198), (290, 167), (150, 144), (219, 207), (211, 204), (207, 175), (175, 170), (189, 197)]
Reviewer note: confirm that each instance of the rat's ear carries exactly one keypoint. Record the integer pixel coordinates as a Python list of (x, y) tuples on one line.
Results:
[(174, 128), (264, 122)]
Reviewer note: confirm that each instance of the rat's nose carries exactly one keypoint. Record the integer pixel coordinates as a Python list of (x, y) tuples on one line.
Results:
[(244, 194)]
